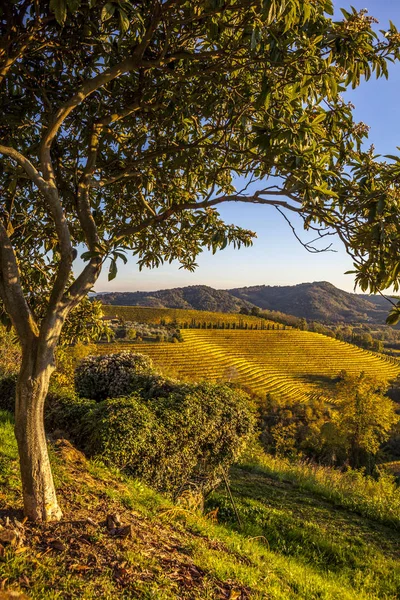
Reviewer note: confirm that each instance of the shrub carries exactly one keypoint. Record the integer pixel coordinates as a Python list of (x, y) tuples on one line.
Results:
[(111, 375), (200, 429), (67, 357), (64, 410), (170, 434), (153, 385), (124, 432), (294, 427), (209, 428)]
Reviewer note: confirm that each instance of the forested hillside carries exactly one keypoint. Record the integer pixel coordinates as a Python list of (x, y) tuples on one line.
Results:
[(319, 301), (198, 297)]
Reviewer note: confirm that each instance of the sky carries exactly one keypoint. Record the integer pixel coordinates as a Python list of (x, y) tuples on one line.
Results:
[(277, 258)]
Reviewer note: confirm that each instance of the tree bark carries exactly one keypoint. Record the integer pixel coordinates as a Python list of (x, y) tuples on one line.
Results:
[(40, 500)]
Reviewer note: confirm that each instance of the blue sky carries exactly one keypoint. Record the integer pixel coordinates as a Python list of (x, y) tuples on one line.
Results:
[(276, 258)]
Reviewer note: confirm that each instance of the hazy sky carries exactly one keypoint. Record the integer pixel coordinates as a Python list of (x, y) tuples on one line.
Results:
[(276, 258)]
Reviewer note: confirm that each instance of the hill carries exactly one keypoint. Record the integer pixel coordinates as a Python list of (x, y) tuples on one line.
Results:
[(291, 364), (198, 297), (318, 301), (303, 536)]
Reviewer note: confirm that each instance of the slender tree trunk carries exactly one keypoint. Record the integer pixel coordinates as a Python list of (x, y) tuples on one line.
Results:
[(40, 501)]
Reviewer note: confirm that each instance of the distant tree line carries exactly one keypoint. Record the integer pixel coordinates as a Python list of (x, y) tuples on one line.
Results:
[(240, 324), (356, 425)]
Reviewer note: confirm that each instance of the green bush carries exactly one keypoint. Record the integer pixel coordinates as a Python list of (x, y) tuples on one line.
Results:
[(66, 411), (170, 434), (153, 385), (124, 432), (206, 428), (110, 375)]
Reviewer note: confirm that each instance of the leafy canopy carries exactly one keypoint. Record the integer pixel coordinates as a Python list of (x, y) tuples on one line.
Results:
[(364, 417), (124, 124)]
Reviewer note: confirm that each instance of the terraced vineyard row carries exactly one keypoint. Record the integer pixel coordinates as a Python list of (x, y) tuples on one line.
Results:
[(291, 364), (183, 317)]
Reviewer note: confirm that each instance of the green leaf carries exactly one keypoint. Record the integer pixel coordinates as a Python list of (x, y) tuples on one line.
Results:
[(307, 12), (113, 270), (107, 11), (122, 256), (59, 8), (319, 118), (394, 316), (85, 256), (12, 186), (124, 21)]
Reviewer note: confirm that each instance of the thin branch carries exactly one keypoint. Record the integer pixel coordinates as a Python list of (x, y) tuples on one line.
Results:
[(306, 245), (51, 197), (388, 299), (254, 199)]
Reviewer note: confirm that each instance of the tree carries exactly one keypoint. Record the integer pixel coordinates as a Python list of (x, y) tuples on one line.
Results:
[(123, 126), (364, 417)]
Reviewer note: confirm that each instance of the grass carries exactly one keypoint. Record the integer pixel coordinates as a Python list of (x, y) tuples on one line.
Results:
[(294, 545), (295, 522), (378, 500), (290, 364)]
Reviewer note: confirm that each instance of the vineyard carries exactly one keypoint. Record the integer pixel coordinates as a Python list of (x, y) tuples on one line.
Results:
[(290, 364), (184, 318)]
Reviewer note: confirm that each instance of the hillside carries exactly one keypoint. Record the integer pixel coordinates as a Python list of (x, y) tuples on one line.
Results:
[(184, 317), (289, 363), (198, 297), (319, 301), (299, 540)]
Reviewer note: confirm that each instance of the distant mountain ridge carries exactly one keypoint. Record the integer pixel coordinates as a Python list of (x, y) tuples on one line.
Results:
[(318, 301)]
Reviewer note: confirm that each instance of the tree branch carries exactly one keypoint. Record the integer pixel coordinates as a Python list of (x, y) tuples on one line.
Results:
[(51, 197), (306, 245), (90, 86), (28, 167), (161, 217), (12, 294), (84, 211)]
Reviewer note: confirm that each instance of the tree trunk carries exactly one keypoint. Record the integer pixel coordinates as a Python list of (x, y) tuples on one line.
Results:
[(40, 501)]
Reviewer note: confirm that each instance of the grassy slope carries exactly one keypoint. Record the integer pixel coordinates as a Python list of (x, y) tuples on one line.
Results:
[(295, 544), (297, 523), (290, 363)]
